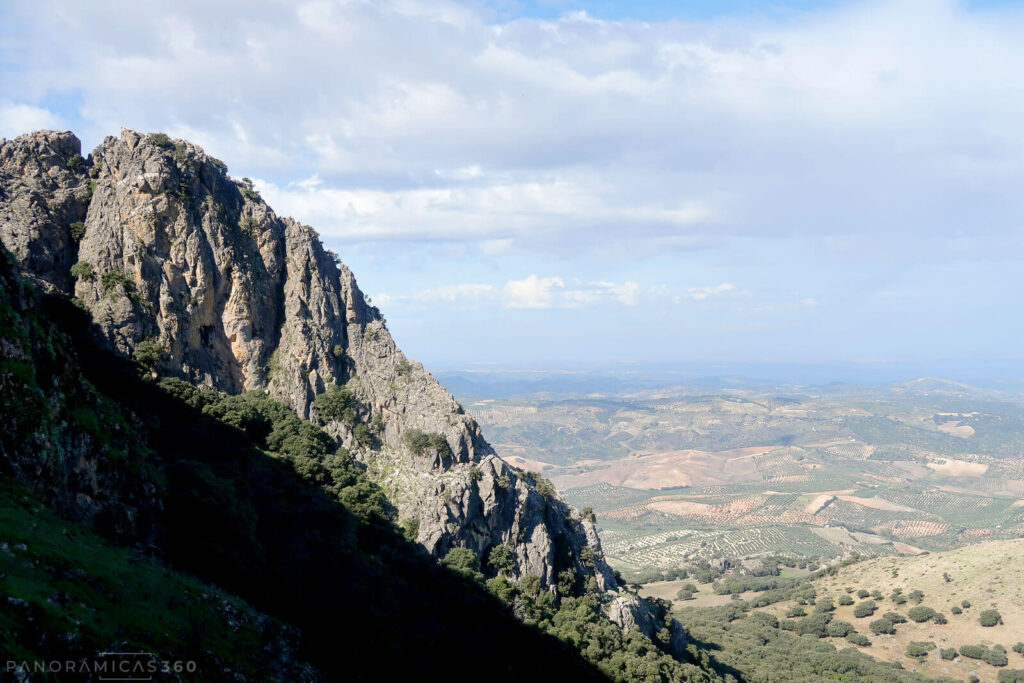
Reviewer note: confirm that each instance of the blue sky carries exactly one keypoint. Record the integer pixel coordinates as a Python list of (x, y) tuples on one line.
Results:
[(555, 183)]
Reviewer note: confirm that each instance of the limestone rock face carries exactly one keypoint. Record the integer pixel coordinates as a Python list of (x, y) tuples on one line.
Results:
[(177, 254), (44, 188), (630, 612)]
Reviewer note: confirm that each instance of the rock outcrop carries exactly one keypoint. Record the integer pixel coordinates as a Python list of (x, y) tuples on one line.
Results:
[(44, 189), (183, 266)]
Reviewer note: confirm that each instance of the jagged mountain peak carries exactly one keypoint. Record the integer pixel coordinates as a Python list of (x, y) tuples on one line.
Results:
[(177, 261)]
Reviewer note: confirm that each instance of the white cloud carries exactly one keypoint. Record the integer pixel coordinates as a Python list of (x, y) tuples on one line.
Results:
[(453, 293), (532, 292), (626, 293), (702, 293), (421, 119), (17, 119)]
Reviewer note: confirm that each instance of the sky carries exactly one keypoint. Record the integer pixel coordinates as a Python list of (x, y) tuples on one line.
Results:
[(551, 183)]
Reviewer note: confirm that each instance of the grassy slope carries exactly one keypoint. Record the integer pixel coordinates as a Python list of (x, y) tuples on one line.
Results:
[(371, 605), (987, 575), (60, 579)]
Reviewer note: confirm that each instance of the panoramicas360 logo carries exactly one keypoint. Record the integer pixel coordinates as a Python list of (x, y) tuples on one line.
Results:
[(106, 666)]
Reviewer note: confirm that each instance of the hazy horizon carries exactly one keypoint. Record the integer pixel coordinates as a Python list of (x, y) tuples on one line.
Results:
[(566, 182)]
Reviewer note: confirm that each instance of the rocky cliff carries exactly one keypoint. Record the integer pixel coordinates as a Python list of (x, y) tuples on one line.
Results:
[(189, 270)]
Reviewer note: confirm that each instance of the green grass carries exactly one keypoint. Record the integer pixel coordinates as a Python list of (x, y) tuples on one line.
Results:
[(73, 582)]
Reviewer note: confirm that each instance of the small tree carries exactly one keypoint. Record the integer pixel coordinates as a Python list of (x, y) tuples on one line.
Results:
[(990, 617), (796, 611), (501, 559), (919, 650), (921, 614), (839, 629), (362, 435), (824, 605), (148, 353), (335, 405), (83, 271), (686, 591), (882, 627), (463, 561), (948, 653), (865, 609), (845, 600), (858, 639)]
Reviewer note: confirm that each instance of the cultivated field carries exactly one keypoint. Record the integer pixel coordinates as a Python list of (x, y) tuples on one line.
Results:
[(807, 472)]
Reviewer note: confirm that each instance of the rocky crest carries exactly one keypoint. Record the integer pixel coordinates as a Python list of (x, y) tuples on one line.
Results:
[(178, 258)]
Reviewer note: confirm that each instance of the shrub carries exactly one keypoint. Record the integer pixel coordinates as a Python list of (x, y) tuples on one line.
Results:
[(955, 609), (686, 591), (814, 625), (973, 651), (362, 435), (895, 618), (82, 271), (824, 605), (990, 617), (416, 441), (858, 639), (463, 561), (862, 593), (501, 559), (921, 614), (1011, 676), (411, 528), (881, 627), (839, 629), (948, 653), (335, 405), (918, 649), (939, 619), (77, 231), (475, 474), (148, 353), (898, 597), (796, 612), (249, 190), (75, 162), (966, 604), (117, 277), (161, 140), (845, 600), (1019, 648), (916, 596), (994, 656), (865, 609)]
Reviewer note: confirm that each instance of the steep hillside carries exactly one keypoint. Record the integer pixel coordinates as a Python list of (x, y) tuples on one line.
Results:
[(177, 477), (277, 437), (176, 256)]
